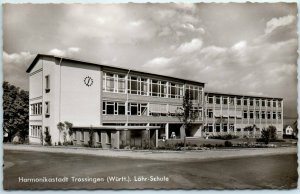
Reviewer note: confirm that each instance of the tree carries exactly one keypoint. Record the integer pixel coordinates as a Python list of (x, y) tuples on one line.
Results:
[(187, 114), (15, 111), (48, 137), (268, 134), (69, 128), (60, 127)]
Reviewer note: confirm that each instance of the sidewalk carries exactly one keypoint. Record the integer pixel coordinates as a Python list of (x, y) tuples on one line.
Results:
[(165, 155)]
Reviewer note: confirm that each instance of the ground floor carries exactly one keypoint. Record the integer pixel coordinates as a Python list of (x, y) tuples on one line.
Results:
[(263, 172)]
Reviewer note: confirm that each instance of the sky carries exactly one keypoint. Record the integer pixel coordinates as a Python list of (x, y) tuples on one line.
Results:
[(241, 48)]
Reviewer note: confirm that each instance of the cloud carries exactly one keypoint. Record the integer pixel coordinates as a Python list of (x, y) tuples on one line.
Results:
[(191, 46), (15, 66), (275, 23), (64, 53)]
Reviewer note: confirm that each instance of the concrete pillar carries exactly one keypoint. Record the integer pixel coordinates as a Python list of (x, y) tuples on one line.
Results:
[(167, 130), (156, 137), (117, 139)]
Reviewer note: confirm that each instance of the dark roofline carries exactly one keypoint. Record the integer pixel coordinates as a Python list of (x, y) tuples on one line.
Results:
[(241, 95), (107, 66)]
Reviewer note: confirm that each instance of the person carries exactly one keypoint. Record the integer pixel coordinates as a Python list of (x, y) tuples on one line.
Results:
[(173, 136)]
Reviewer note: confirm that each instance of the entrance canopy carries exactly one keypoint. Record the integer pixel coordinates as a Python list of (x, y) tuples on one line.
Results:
[(117, 128)]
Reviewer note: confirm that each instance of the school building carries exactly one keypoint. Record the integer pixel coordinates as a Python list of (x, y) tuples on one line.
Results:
[(126, 107)]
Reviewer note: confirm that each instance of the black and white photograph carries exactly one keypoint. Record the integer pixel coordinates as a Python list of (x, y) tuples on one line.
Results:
[(169, 96)]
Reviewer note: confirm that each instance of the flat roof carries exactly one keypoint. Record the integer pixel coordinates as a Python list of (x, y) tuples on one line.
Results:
[(241, 95), (107, 66)]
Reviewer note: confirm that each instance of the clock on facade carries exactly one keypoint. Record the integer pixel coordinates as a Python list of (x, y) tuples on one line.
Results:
[(88, 81)]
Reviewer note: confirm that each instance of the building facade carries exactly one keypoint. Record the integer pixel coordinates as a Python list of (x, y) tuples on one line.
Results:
[(234, 114), (125, 107)]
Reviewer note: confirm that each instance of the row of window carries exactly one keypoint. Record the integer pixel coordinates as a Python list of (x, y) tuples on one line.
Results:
[(261, 115), (35, 131), (143, 109), (225, 127), (36, 109), (240, 101), (147, 87), (246, 114)]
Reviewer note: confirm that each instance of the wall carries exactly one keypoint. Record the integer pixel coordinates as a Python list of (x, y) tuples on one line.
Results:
[(80, 104)]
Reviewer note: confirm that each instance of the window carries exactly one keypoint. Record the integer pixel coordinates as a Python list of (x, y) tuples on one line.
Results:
[(269, 103), (225, 127), (238, 101), (113, 108), (113, 82), (143, 86), (163, 89), (263, 103), (218, 127), (251, 102), (274, 103), (257, 115), (175, 90), (279, 115), (47, 107), (263, 115), (132, 85), (218, 100), (245, 102), (210, 127), (269, 115), (257, 102), (36, 109), (225, 100), (110, 86), (231, 127), (245, 114), (251, 115), (154, 88), (194, 92), (47, 83), (238, 129), (121, 83), (274, 115), (121, 108), (137, 109), (279, 104), (210, 113), (35, 131), (210, 99)]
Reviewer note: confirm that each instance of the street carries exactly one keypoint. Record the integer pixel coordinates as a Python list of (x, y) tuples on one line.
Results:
[(98, 172)]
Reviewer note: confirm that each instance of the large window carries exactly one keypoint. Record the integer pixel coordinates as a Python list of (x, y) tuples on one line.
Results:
[(210, 127), (251, 114), (257, 102), (210, 113), (47, 83), (225, 100), (245, 114), (218, 100), (113, 82), (137, 85), (158, 88), (279, 104), (210, 99), (218, 127), (231, 101), (137, 109), (225, 127), (113, 108), (251, 102), (195, 92), (36, 109), (263, 114), (263, 103), (269, 103), (274, 115), (238, 101), (269, 115), (274, 103), (175, 90), (35, 131), (245, 102), (257, 115)]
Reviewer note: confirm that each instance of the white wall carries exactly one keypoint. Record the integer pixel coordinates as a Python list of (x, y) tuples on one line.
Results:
[(80, 104)]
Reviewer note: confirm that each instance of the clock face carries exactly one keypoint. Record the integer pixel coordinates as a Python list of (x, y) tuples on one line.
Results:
[(88, 81)]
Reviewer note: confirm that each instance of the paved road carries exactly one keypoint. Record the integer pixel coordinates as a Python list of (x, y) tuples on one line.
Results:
[(273, 171)]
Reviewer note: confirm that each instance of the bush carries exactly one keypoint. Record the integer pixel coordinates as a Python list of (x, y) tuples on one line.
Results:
[(59, 143), (227, 144), (48, 137), (225, 137)]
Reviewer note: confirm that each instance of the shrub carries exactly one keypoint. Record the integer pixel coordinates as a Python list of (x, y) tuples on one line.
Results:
[(48, 137), (227, 144), (59, 143)]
